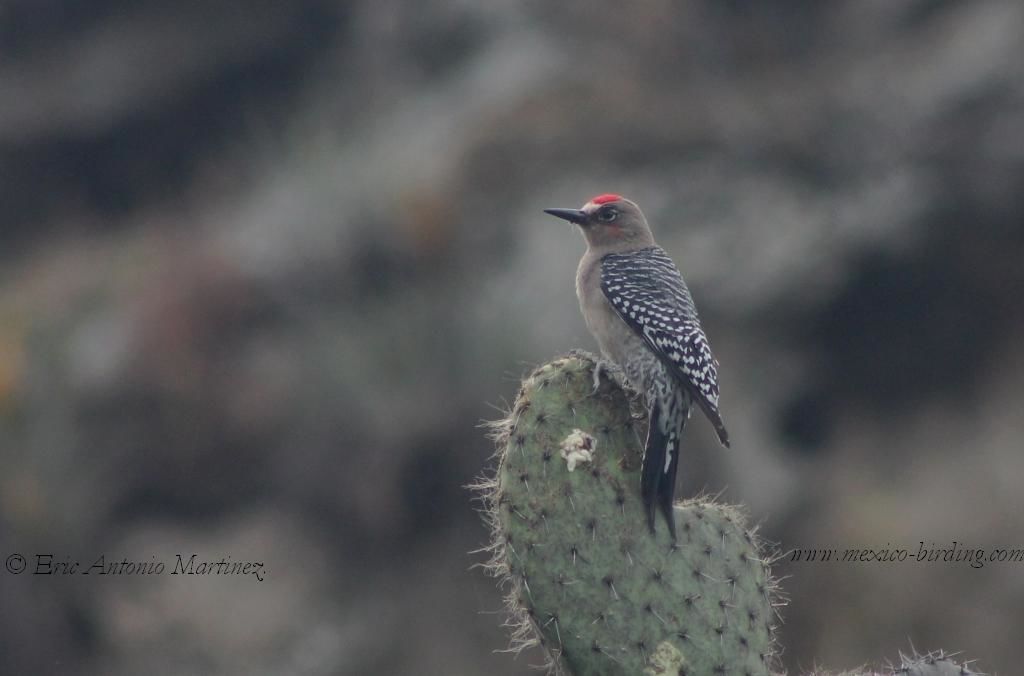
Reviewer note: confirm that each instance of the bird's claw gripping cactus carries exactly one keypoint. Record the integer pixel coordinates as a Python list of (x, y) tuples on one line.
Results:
[(584, 576)]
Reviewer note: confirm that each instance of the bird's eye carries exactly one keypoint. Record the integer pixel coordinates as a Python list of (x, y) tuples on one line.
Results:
[(607, 214)]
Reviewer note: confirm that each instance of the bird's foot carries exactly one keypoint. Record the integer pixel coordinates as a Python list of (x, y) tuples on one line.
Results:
[(612, 370)]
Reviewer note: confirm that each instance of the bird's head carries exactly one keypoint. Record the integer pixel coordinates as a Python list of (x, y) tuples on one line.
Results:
[(609, 223)]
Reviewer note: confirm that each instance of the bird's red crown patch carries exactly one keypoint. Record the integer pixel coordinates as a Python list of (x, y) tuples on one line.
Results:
[(605, 198)]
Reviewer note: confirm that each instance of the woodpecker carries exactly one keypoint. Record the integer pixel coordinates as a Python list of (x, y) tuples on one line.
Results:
[(637, 306)]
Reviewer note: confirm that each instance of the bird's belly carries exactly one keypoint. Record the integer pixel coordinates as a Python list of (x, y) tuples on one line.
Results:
[(615, 339), (619, 343)]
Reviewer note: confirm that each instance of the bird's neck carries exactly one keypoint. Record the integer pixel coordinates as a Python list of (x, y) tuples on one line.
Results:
[(603, 246)]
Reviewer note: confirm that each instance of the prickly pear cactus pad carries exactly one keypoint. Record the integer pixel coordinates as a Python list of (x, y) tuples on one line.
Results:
[(933, 664), (583, 574)]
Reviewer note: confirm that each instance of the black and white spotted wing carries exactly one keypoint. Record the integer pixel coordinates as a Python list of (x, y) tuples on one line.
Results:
[(647, 291)]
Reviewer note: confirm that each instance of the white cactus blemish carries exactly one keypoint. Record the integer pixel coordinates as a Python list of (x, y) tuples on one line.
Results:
[(577, 448)]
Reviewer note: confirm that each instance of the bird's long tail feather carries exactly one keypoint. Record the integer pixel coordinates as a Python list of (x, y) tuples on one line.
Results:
[(667, 482), (658, 472)]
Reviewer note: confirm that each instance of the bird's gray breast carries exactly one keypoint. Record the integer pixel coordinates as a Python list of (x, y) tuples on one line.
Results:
[(617, 341)]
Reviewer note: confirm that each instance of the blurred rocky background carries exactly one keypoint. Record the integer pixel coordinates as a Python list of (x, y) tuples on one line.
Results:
[(265, 266)]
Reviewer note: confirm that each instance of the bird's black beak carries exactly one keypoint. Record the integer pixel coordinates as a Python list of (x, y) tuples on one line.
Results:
[(572, 215)]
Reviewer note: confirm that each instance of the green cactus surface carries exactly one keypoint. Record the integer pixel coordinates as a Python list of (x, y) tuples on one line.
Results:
[(583, 574), (934, 664)]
